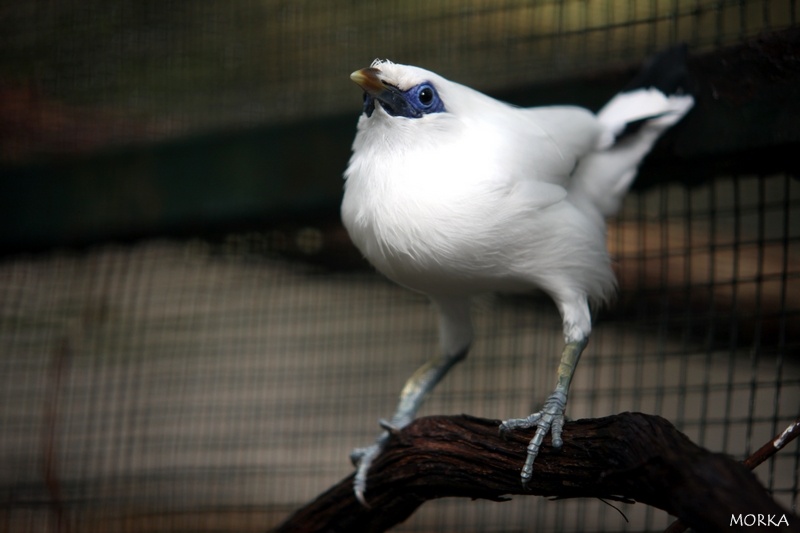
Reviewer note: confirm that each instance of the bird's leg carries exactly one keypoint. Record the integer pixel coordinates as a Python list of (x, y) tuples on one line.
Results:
[(416, 389), (551, 417)]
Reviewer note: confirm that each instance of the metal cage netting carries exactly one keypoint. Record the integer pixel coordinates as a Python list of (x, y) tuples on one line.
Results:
[(214, 375)]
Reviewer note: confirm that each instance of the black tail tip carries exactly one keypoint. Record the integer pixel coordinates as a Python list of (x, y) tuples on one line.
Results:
[(665, 71)]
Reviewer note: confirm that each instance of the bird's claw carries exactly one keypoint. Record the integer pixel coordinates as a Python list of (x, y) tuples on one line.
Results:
[(357, 453), (390, 428), (362, 459), (549, 420)]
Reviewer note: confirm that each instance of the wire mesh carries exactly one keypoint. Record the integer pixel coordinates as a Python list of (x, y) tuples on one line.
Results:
[(215, 385), (169, 376), (152, 70)]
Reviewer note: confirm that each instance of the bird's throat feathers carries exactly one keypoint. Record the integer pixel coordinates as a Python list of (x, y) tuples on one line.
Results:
[(385, 133)]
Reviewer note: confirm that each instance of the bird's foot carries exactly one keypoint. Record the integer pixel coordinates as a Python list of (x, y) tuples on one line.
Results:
[(362, 459), (549, 420)]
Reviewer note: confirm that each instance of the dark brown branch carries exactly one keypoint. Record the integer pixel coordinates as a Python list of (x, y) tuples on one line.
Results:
[(774, 445), (630, 456), (759, 456)]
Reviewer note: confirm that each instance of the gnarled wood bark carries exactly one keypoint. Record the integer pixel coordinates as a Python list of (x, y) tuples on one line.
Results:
[(631, 456)]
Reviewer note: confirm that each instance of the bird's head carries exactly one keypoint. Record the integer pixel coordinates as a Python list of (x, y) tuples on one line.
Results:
[(400, 90)]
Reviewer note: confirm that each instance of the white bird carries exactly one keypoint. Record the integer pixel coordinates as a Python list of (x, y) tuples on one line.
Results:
[(452, 193)]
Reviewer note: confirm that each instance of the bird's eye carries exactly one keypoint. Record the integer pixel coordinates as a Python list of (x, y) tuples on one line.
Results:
[(421, 100), (426, 95)]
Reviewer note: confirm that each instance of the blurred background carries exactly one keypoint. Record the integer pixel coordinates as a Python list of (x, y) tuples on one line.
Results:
[(188, 340)]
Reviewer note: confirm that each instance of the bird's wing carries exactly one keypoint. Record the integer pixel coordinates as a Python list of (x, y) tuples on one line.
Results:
[(542, 147)]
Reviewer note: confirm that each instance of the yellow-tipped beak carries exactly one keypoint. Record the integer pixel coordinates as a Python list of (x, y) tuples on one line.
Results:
[(369, 80)]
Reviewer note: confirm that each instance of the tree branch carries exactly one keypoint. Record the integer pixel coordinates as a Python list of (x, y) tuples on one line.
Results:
[(630, 457), (759, 456)]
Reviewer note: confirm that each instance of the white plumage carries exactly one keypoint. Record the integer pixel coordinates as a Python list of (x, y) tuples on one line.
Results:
[(452, 193)]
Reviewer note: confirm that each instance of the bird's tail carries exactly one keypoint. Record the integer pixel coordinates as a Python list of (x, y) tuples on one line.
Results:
[(656, 99)]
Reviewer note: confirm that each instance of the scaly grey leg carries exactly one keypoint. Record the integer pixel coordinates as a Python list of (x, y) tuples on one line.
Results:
[(416, 389), (551, 417)]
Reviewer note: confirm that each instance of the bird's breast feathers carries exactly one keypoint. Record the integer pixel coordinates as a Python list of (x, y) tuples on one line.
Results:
[(406, 215)]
